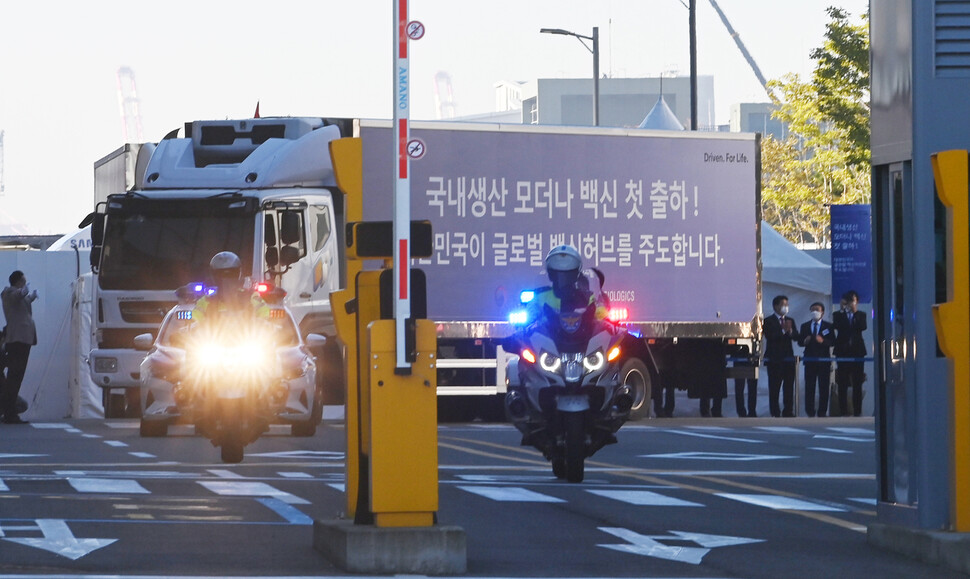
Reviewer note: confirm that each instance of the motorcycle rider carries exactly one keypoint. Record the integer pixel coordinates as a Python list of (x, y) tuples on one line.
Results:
[(231, 295), (570, 283)]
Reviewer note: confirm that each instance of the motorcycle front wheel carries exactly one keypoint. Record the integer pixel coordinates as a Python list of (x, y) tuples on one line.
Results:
[(232, 450), (575, 447)]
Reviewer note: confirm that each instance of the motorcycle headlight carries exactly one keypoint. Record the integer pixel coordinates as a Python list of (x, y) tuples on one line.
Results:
[(594, 361), (549, 363)]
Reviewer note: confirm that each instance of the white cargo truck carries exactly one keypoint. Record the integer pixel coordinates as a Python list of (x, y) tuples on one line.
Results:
[(671, 218)]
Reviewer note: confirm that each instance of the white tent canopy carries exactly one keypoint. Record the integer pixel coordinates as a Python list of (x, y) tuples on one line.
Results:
[(786, 270)]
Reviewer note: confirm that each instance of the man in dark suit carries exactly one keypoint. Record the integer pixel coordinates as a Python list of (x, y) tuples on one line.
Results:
[(849, 324), (21, 335), (818, 337), (780, 331)]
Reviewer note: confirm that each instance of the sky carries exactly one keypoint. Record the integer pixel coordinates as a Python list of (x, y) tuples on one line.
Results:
[(215, 59)]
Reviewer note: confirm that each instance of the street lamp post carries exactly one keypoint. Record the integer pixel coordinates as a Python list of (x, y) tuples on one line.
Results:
[(595, 50)]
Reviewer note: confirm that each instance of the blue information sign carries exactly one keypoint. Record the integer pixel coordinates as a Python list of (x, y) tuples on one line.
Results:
[(851, 251)]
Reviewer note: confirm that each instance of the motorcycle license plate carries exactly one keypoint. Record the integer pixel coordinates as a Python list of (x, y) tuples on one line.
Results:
[(572, 403)]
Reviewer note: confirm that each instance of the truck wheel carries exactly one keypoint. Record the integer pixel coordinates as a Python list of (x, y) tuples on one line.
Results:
[(331, 381), (114, 405), (634, 374), (153, 428), (304, 429)]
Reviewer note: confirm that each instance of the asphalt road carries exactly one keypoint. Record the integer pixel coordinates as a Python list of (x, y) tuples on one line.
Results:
[(674, 498)]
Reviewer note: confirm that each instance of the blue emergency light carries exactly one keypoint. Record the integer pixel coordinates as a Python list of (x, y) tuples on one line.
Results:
[(183, 315), (519, 318), (527, 296)]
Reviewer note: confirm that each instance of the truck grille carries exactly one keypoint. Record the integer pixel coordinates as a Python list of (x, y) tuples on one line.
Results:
[(144, 312)]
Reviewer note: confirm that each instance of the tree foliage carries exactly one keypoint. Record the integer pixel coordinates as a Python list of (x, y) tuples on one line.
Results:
[(824, 159)]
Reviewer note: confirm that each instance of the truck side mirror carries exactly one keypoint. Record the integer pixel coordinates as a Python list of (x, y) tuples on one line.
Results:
[(291, 227), (289, 255), (272, 256)]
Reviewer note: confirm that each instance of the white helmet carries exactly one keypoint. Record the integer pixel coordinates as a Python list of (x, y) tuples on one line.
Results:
[(226, 264), (563, 258)]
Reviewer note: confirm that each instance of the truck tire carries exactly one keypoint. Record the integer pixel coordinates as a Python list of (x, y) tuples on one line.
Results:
[(114, 405), (634, 373), (330, 374), (153, 428)]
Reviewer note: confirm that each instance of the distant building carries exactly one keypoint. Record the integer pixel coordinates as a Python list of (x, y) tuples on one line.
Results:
[(623, 102), (756, 118)]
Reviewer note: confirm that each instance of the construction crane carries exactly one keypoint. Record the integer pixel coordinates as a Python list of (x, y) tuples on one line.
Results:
[(129, 104), (444, 99), (744, 51)]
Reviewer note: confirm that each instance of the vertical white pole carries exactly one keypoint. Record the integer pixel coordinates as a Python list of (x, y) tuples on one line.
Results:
[(402, 189)]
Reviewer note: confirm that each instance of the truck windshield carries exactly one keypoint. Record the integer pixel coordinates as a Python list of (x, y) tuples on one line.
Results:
[(158, 248)]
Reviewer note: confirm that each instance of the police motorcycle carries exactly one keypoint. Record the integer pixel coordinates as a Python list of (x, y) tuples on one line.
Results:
[(564, 393), (231, 374)]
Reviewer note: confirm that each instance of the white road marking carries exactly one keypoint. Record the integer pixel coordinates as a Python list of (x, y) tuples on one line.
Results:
[(59, 540), (511, 494), (717, 456), (339, 486), (845, 438), (864, 500), (331, 455), (295, 474), (651, 546), (123, 423), (142, 454), (72, 430), (715, 436), (50, 425), (779, 503), (3, 486), (223, 473), (783, 429), (107, 485), (91, 436), (251, 489), (115, 443), (643, 498), (832, 450), (847, 430), (15, 455)]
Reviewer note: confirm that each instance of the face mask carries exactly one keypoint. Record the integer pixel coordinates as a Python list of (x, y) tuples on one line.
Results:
[(784, 310), (816, 315)]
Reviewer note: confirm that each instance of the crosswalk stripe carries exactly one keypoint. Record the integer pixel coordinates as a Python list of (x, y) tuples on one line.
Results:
[(251, 489), (779, 503), (644, 498), (107, 485), (511, 494)]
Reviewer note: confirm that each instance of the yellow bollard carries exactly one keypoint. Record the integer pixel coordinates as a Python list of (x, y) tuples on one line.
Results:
[(403, 448)]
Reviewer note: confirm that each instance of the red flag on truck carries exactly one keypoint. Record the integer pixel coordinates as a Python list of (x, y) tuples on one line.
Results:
[(256, 114)]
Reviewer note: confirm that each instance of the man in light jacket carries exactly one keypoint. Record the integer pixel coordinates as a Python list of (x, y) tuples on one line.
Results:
[(21, 335)]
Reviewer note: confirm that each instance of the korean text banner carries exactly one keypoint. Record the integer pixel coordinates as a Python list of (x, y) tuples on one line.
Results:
[(671, 221)]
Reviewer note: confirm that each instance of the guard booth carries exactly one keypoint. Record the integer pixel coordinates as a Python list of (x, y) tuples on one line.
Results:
[(920, 79)]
